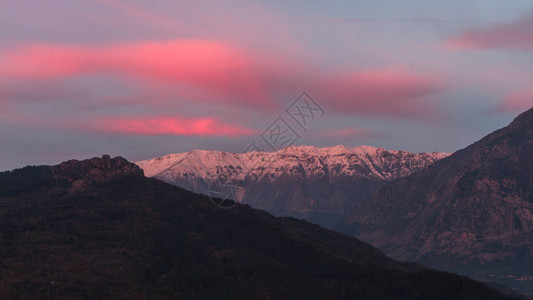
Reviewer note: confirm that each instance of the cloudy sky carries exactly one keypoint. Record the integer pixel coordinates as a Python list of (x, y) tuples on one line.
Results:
[(146, 78)]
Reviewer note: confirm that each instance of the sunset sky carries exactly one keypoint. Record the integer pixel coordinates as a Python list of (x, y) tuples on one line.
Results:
[(147, 78)]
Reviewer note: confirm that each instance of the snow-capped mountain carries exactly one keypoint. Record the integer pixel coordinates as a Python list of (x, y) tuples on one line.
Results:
[(317, 184)]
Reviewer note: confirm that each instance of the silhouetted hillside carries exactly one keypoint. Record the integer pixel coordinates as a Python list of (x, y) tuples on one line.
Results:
[(99, 229)]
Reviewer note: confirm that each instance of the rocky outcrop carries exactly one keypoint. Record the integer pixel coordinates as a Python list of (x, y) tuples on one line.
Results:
[(81, 176)]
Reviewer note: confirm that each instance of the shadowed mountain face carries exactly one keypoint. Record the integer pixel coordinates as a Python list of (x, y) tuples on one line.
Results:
[(99, 229), (471, 212), (320, 185)]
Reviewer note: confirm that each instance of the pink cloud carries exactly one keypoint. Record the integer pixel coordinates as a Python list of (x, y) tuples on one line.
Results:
[(350, 133), (34, 91), (157, 125), (42, 61), (387, 92), (517, 102), (172, 126), (142, 14), (514, 35), (220, 72), (208, 71)]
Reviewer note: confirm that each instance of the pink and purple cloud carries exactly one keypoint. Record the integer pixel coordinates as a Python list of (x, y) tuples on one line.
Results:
[(517, 35)]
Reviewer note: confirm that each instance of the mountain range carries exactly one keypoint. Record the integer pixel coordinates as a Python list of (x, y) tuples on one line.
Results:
[(470, 212), (100, 229), (320, 185)]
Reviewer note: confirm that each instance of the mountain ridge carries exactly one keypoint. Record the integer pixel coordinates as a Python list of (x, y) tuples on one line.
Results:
[(316, 184), (152, 169)]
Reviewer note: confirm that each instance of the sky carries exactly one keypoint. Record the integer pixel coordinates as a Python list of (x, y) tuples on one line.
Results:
[(142, 79)]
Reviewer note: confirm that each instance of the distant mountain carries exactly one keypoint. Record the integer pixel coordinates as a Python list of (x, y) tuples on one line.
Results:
[(471, 212), (99, 229), (321, 185)]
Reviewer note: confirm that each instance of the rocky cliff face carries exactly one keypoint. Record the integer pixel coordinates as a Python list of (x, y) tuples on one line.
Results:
[(471, 212), (320, 185)]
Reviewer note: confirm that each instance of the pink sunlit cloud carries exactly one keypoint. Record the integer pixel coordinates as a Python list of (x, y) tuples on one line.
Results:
[(387, 92), (173, 126), (142, 14), (220, 71), (153, 125), (350, 133), (209, 71), (514, 35), (516, 102)]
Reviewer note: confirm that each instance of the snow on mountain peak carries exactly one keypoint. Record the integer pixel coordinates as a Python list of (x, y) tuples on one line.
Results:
[(365, 161)]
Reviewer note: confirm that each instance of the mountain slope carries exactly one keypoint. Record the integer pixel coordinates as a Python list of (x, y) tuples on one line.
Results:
[(471, 212), (99, 229), (320, 185)]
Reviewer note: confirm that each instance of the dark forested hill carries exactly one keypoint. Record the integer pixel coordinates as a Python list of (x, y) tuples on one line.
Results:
[(99, 229)]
